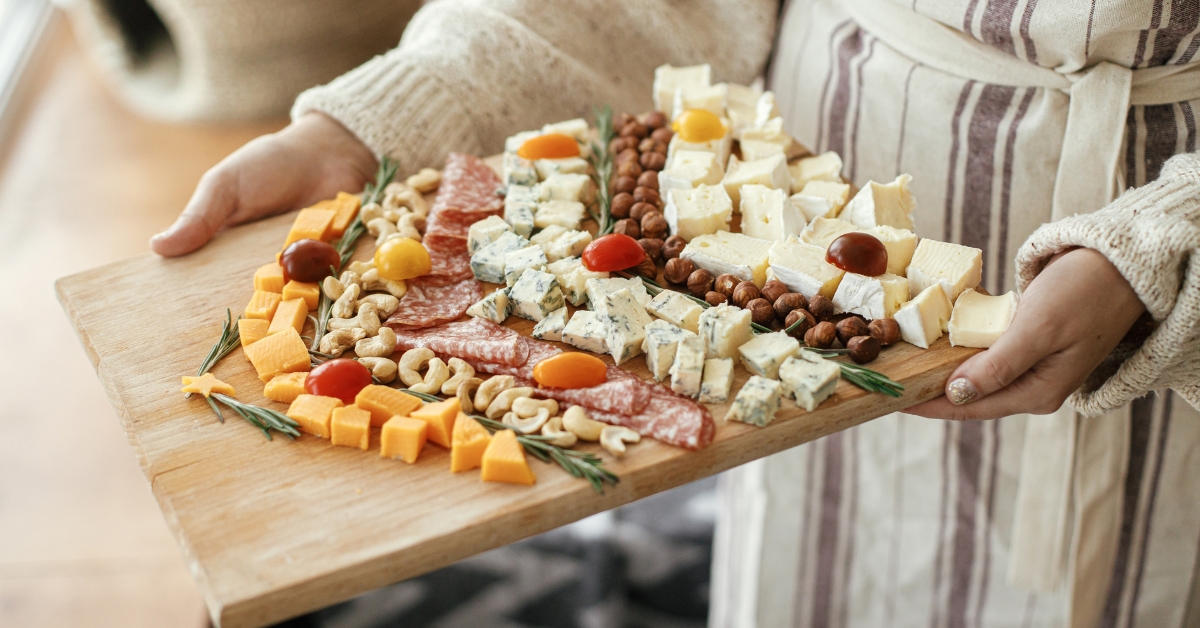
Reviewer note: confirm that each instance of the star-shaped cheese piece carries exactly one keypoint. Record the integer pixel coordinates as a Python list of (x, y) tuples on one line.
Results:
[(206, 385)]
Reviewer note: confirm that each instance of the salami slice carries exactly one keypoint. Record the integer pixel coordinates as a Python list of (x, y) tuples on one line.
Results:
[(623, 395), (448, 267), (668, 418), (468, 185), (537, 350), (427, 305), (476, 340)]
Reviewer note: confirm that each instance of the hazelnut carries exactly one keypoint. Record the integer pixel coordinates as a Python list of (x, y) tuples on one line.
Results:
[(885, 330), (627, 155), (774, 289), (654, 225), (629, 169), (619, 144), (654, 119), (624, 185), (821, 307), (651, 145), (788, 302), (673, 246), (639, 210), (715, 298), (726, 283), (850, 327), (649, 179), (643, 194), (629, 227), (677, 270), (745, 292), (821, 335), (761, 312), (648, 269), (863, 349), (700, 282), (621, 203), (621, 119), (663, 135), (654, 161), (653, 248), (634, 129), (806, 320)]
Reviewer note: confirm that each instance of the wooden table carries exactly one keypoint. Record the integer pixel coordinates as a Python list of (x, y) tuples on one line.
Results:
[(273, 529)]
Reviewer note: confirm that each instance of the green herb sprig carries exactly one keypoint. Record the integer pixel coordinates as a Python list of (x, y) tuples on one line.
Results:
[(227, 342), (264, 419), (602, 164)]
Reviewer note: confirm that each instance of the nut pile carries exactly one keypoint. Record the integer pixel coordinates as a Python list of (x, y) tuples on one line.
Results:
[(640, 150)]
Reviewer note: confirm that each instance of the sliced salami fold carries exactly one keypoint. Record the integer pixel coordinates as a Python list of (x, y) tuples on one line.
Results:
[(668, 418), (476, 341), (428, 304)]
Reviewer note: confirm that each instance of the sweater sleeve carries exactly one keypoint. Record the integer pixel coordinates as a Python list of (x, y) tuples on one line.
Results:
[(469, 73), (1152, 235)]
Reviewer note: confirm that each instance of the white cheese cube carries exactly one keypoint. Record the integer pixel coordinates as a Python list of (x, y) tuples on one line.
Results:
[(568, 244), (662, 339), (526, 193), (823, 231), (771, 172), (978, 320), (551, 327), (599, 288), (495, 307), (764, 353), (572, 278), (547, 168), (568, 214), (890, 204), (515, 142), (586, 331), (625, 321), (510, 162), (923, 319), (724, 328), (721, 147), (668, 78), (535, 295), (900, 245), (802, 268), (690, 168), (823, 167), (740, 104), (768, 215), (723, 252), (954, 267), (519, 215), (575, 127), (567, 187), (711, 98), (809, 379), (547, 235), (821, 199), (676, 309), (488, 262), (757, 149), (485, 232), (772, 132), (766, 109), (696, 212), (717, 380), (687, 370), (757, 402), (520, 176), (870, 297), (515, 262)]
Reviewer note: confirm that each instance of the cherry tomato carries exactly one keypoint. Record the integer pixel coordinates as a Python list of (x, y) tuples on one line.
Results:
[(570, 370), (857, 252), (340, 377), (309, 261), (615, 251), (698, 125), (402, 258), (549, 146)]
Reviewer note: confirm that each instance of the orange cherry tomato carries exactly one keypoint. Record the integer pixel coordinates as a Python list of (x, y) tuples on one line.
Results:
[(570, 370), (615, 251), (696, 126), (549, 146)]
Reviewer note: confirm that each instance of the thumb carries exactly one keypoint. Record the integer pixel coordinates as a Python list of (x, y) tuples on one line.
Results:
[(213, 202), (1017, 349)]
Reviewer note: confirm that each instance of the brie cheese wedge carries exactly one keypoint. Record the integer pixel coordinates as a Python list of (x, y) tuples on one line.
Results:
[(823, 167), (802, 268), (771, 172), (821, 199), (870, 297), (734, 253), (668, 78), (575, 127), (721, 147), (768, 215), (711, 98), (689, 169), (823, 231), (923, 319), (753, 150), (978, 320), (703, 210), (954, 267), (890, 204), (900, 245), (740, 105)]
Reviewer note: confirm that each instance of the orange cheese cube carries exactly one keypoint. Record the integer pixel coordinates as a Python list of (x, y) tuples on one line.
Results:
[(504, 461), (314, 413), (311, 224), (346, 206), (285, 387), (351, 427), (310, 292), (291, 314), (282, 352), (440, 415), (468, 443), (251, 330), (269, 278), (403, 438), (384, 403), (262, 305)]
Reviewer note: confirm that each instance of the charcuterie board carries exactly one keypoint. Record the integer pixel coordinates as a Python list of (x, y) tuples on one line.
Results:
[(272, 529)]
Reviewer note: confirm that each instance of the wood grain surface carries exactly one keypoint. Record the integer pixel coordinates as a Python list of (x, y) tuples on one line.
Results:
[(273, 529)]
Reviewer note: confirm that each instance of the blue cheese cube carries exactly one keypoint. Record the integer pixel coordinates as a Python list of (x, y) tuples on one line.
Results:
[(764, 353), (519, 215), (568, 214), (586, 331), (525, 193), (547, 235), (570, 244), (515, 262), (662, 340), (809, 378), (718, 378), (625, 321), (551, 327), (519, 173), (676, 309), (597, 289), (725, 328), (485, 232), (495, 307), (568, 187), (757, 402), (535, 295), (547, 168), (572, 278), (688, 368), (488, 262)]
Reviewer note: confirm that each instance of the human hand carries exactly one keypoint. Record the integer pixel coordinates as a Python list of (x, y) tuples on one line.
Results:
[(1069, 319), (311, 159)]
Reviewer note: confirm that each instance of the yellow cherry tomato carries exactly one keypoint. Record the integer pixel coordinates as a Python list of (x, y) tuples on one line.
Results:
[(549, 146), (696, 126), (402, 258)]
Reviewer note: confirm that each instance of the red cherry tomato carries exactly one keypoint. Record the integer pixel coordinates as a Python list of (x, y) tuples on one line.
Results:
[(570, 370), (615, 251), (860, 253), (308, 260), (341, 378)]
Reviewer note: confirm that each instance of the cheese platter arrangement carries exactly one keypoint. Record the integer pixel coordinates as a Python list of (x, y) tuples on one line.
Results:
[(597, 314)]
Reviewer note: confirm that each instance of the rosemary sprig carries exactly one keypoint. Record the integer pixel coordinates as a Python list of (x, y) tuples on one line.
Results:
[(264, 419), (228, 341), (601, 161), (579, 464)]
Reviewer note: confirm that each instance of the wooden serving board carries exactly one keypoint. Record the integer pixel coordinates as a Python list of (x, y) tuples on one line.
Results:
[(273, 529)]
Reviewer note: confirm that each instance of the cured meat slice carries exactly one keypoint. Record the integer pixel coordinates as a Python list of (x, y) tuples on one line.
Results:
[(476, 340), (426, 305), (537, 351), (447, 230), (622, 395), (469, 186), (668, 418), (447, 267)]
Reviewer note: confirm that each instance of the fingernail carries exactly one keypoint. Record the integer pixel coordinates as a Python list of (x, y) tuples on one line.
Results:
[(961, 391)]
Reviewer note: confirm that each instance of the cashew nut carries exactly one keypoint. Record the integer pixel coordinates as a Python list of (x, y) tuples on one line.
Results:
[(332, 288), (382, 369), (380, 228), (380, 346), (526, 407), (528, 425), (359, 268), (336, 342), (462, 372), (397, 195), (576, 420), (425, 181), (407, 226), (614, 437), (370, 212), (350, 277), (367, 320), (492, 387), (411, 362), (463, 392), (503, 401), (393, 215), (385, 303), (561, 437), (372, 281), (343, 307), (437, 375)]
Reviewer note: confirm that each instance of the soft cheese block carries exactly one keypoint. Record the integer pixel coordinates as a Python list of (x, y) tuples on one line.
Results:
[(821, 199), (562, 242), (662, 340), (535, 295), (770, 172), (870, 297), (978, 320), (688, 369), (824, 167), (758, 149), (668, 78), (954, 267), (740, 105), (809, 379), (518, 213), (563, 213), (495, 307), (771, 131), (572, 278), (711, 98), (900, 245), (488, 262), (703, 210), (767, 214), (548, 168), (689, 169), (765, 353), (876, 204), (586, 331), (717, 380), (567, 187), (597, 289), (923, 319), (823, 231), (575, 127), (802, 268), (625, 323), (551, 327), (485, 231), (734, 253), (515, 262), (674, 308), (724, 329), (721, 147), (757, 402)]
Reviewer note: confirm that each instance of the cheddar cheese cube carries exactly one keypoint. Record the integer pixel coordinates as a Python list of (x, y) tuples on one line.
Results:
[(285, 387), (314, 413), (251, 330), (346, 207), (269, 278), (468, 443), (282, 352), (311, 224), (403, 438), (504, 461), (440, 415), (262, 304), (384, 403), (290, 314), (310, 292), (351, 427)]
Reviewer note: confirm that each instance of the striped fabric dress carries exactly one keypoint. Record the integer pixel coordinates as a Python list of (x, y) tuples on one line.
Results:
[(906, 521)]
